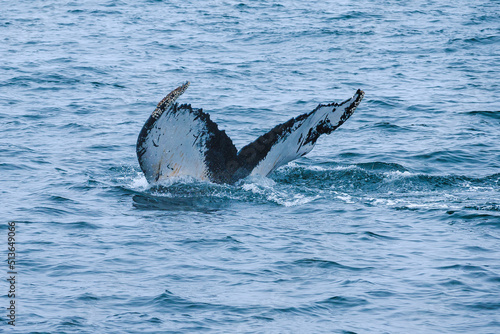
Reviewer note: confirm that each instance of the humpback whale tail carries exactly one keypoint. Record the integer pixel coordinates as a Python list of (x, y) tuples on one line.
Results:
[(178, 140)]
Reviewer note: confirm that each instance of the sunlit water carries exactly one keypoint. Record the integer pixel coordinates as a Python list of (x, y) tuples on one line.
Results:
[(390, 225)]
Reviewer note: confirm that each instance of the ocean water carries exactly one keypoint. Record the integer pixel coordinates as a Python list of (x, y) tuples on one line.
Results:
[(390, 225)]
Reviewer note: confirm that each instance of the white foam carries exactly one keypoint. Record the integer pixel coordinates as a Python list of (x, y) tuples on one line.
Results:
[(267, 188), (344, 197), (139, 182), (396, 174), (298, 199)]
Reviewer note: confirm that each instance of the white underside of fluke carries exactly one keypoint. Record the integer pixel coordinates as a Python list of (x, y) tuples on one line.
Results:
[(291, 146), (294, 144), (176, 147)]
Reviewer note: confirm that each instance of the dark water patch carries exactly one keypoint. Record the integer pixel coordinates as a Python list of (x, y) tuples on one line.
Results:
[(421, 108), (354, 15), (105, 13), (448, 156), (349, 155), (66, 270), (83, 110), (482, 40), (196, 203), (495, 279), (461, 267), (40, 114), (340, 233), (476, 249), (75, 128), (226, 240), (318, 309), (91, 69), (492, 222), (384, 104), (382, 166), (263, 318), (406, 208), (389, 127), (60, 60), (371, 235), (88, 297), (380, 293), (469, 271), (478, 218), (483, 306), (42, 242), (98, 84), (171, 302), (342, 302), (42, 79), (72, 322), (326, 264), (484, 113), (454, 283), (50, 211), (310, 311), (61, 199), (154, 320), (470, 43), (11, 167), (78, 225), (105, 148)]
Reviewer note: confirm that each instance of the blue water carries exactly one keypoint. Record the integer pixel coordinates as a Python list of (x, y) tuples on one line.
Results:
[(390, 225)]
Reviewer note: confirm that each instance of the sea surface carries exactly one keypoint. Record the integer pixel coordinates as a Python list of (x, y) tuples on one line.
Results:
[(390, 225)]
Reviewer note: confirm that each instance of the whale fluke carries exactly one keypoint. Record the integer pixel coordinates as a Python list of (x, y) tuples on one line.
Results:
[(178, 140)]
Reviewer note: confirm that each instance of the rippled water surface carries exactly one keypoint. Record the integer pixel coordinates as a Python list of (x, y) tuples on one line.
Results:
[(390, 225)]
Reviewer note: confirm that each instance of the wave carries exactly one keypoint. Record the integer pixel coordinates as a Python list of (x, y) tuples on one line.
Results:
[(369, 184), (485, 113)]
